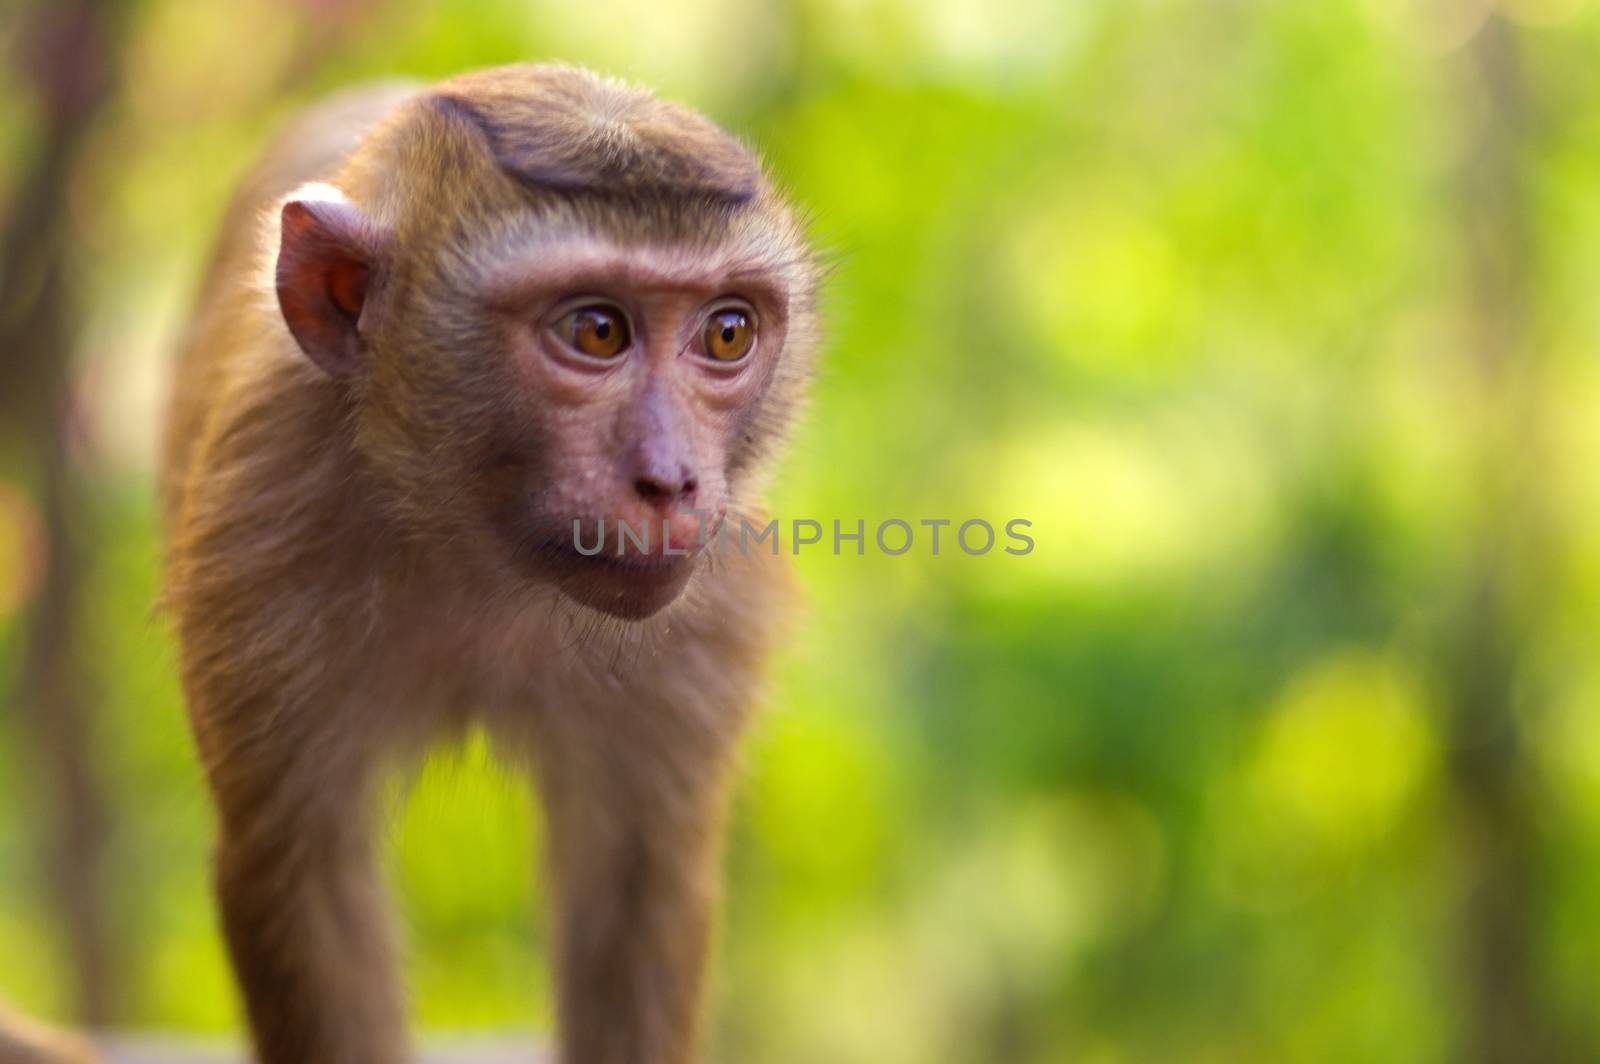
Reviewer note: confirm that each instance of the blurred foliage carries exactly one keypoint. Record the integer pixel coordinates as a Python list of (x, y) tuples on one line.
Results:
[(1187, 283)]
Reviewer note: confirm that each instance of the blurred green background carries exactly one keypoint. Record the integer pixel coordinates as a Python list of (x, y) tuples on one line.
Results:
[(1277, 318)]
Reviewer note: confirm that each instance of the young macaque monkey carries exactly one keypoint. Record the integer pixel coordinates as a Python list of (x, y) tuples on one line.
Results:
[(449, 335)]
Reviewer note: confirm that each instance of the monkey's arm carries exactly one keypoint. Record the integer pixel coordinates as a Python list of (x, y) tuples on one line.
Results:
[(635, 772), (634, 894), (267, 589), (302, 908)]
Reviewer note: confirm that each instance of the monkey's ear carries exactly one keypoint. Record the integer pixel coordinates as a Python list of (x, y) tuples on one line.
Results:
[(327, 255)]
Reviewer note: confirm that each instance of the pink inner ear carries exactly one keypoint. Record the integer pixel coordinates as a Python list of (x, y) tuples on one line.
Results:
[(347, 287), (325, 261)]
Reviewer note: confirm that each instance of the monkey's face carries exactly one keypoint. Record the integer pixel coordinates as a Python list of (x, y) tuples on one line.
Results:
[(570, 328), (634, 377), (579, 412)]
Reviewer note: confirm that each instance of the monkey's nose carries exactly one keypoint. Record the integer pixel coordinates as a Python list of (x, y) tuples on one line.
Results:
[(662, 489)]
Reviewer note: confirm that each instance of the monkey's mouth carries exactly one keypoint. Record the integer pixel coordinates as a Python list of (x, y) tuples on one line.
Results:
[(643, 565), (631, 586)]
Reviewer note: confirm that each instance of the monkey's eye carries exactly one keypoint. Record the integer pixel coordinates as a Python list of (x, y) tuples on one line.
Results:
[(599, 332), (728, 335)]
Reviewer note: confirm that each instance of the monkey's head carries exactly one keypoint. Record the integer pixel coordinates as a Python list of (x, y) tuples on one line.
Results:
[(557, 305)]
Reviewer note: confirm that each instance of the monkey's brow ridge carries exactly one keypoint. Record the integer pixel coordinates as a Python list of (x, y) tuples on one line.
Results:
[(572, 150)]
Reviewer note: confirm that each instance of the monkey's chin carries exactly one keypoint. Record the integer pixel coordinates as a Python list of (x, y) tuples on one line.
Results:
[(629, 588)]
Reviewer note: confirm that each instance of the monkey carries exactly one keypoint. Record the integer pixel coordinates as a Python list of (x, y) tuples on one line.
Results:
[(450, 332)]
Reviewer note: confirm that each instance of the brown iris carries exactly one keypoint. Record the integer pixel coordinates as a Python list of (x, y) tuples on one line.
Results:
[(599, 332), (729, 335)]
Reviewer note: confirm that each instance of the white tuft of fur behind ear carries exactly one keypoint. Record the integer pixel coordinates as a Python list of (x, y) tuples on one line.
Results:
[(315, 192)]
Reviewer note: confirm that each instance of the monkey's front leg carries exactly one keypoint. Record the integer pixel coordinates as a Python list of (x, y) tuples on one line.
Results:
[(633, 851), (302, 908)]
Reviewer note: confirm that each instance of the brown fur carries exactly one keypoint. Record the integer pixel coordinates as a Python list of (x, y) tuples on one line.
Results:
[(344, 587)]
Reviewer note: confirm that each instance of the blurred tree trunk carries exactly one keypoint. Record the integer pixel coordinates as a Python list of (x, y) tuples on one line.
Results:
[(1498, 846), (66, 57)]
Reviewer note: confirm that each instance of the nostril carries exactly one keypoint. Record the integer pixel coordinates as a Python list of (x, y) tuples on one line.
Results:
[(660, 491), (650, 490)]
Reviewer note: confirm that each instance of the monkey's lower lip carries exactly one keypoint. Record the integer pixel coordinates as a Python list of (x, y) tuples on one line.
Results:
[(633, 586)]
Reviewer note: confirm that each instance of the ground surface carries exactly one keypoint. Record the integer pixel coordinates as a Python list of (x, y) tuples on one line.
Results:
[(158, 1050)]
